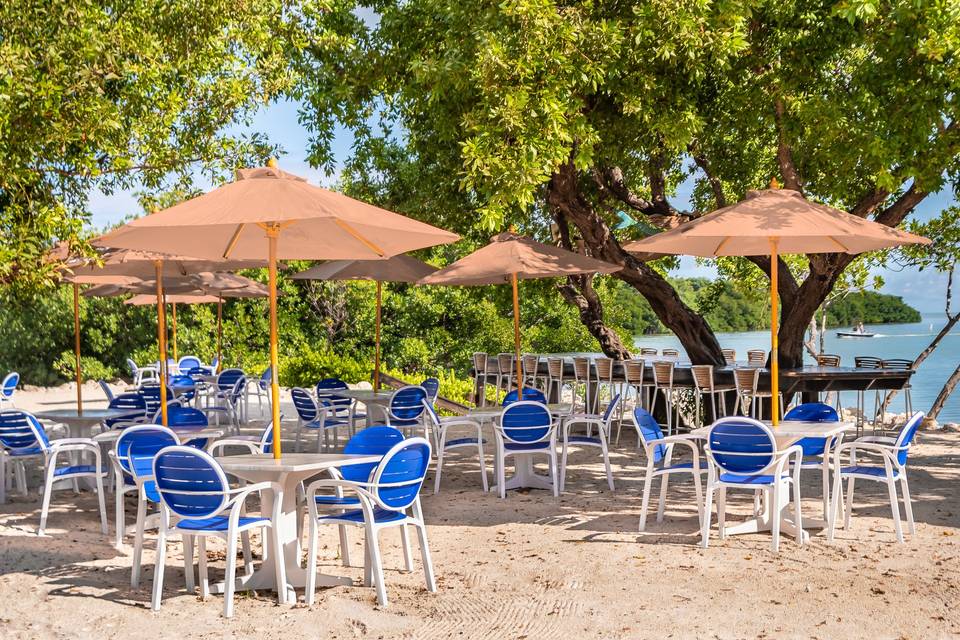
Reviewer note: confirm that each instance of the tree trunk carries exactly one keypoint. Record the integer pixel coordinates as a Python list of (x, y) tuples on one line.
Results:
[(578, 291), (944, 394), (696, 336)]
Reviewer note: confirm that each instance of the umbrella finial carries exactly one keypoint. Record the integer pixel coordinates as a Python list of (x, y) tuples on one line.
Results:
[(272, 163), (774, 184)]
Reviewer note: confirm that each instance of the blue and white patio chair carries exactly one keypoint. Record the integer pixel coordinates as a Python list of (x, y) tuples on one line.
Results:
[(133, 402), (529, 395), (186, 363), (193, 487), (139, 374), (743, 454), (132, 460), (658, 450), (816, 450), (185, 418), (23, 438), (525, 429), (455, 432), (225, 397), (185, 385), (372, 441), (389, 498), (893, 452), (406, 411), (7, 388), (432, 387), (343, 408), (260, 389), (151, 395), (604, 425), (311, 415)]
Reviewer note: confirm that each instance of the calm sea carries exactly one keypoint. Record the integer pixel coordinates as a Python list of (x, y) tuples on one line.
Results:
[(892, 341)]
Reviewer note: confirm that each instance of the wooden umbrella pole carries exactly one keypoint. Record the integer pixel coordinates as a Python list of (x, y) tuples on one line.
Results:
[(272, 233), (376, 354), (162, 340), (76, 346), (774, 338), (219, 333), (173, 316), (516, 337)]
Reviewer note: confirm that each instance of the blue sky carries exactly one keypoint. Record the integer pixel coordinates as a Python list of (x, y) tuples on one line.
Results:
[(923, 290)]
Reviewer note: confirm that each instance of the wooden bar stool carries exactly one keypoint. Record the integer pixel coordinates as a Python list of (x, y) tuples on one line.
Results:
[(663, 386), (555, 379), (581, 376), (670, 353), (480, 373), (704, 384), (647, 351), (531, 369), (505, 373), (633, 371), (604, 377), (756, 357), (729, 355)]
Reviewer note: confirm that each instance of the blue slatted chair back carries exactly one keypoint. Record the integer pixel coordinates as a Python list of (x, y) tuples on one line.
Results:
[(905, 439), (20, 430), (614, 402), (132, 366), (406, 405), (107, 391), (265, 379), (228, 378), (649, 431), (190, 482), (326, 389), (372, 441), (526, 421), (137, 446), (400, 474), (9, 385), (812, 412), (431, 412), (741, 445), (432, 387), (304, 403), (266, 437), (196, 372), (188, 362), (180, 416), (529, 394), (183, 380), (151, 395), (132, 401)]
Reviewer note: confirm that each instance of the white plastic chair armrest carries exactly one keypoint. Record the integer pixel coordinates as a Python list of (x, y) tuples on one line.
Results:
[(218, 445), (877, 440)]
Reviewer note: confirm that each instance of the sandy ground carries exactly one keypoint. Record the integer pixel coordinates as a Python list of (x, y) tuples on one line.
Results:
[(531, 566)]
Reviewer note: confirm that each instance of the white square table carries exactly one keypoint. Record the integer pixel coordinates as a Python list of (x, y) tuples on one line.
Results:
[(376, 402), (289, 471), (787, 433)]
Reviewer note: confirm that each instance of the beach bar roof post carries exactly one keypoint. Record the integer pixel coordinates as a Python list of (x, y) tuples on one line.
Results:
[(267, 213), (508, 258), (774, 222), (399, 268)]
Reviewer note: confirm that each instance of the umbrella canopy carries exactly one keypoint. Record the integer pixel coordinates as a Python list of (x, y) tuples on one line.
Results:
[(315, 223), (800, 226), (772, 222), (509, 255), (400, 268), (126, 266), (270, 214), (144, 299), (228, 285)]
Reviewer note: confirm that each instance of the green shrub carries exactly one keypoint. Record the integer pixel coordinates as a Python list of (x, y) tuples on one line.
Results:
[(90, 367), (310, 366)]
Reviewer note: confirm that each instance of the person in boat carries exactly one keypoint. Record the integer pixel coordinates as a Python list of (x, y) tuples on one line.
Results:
[(860, 328)]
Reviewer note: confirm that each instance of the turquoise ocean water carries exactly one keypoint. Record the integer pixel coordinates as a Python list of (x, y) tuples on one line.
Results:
[(892, 341)]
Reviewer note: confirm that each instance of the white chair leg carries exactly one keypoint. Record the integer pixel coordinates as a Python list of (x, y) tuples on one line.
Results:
[(138, 541), (483, 464), (405, 542), (247, 553), (502, 476), (47, 490), (848, 513), (344, 545), (553, 472), (647, 481), (119, 514), (311, 585), (834, 506), (797, 514), (425, 551), (202, 567), (774, 492), (563, 464), (722, 512), (161, 558), (895, 508), (825, 481), (907, 506), (230, 578), (376, 562), (279, 569), (102, 503), (3, 478), (436, 479), (707, 514), (664, 480), (606, 463), (188, 575), (699, 490)]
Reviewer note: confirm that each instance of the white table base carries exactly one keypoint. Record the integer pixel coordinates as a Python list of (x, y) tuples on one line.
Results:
[(524, 476)]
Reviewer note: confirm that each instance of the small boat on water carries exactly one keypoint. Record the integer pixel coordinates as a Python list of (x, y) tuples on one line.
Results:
[(856, 332)]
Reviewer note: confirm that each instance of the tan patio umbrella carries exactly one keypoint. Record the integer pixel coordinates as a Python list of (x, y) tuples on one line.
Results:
[(268, 213), (509, 258), (773, 222), (397, 269), (125, 266)]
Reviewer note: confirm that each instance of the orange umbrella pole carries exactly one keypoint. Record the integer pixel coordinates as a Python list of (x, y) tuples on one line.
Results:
[(76, 345), (516, 337), (173, 316), (272, 232), (162, 341), (774, 337), (219, 333), (376, 353)]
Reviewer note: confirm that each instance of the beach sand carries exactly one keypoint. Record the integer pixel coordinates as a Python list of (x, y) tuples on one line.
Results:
[(531, 566)]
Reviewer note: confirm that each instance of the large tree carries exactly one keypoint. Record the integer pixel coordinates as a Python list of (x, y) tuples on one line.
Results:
[(540, 113), (122, 94)]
